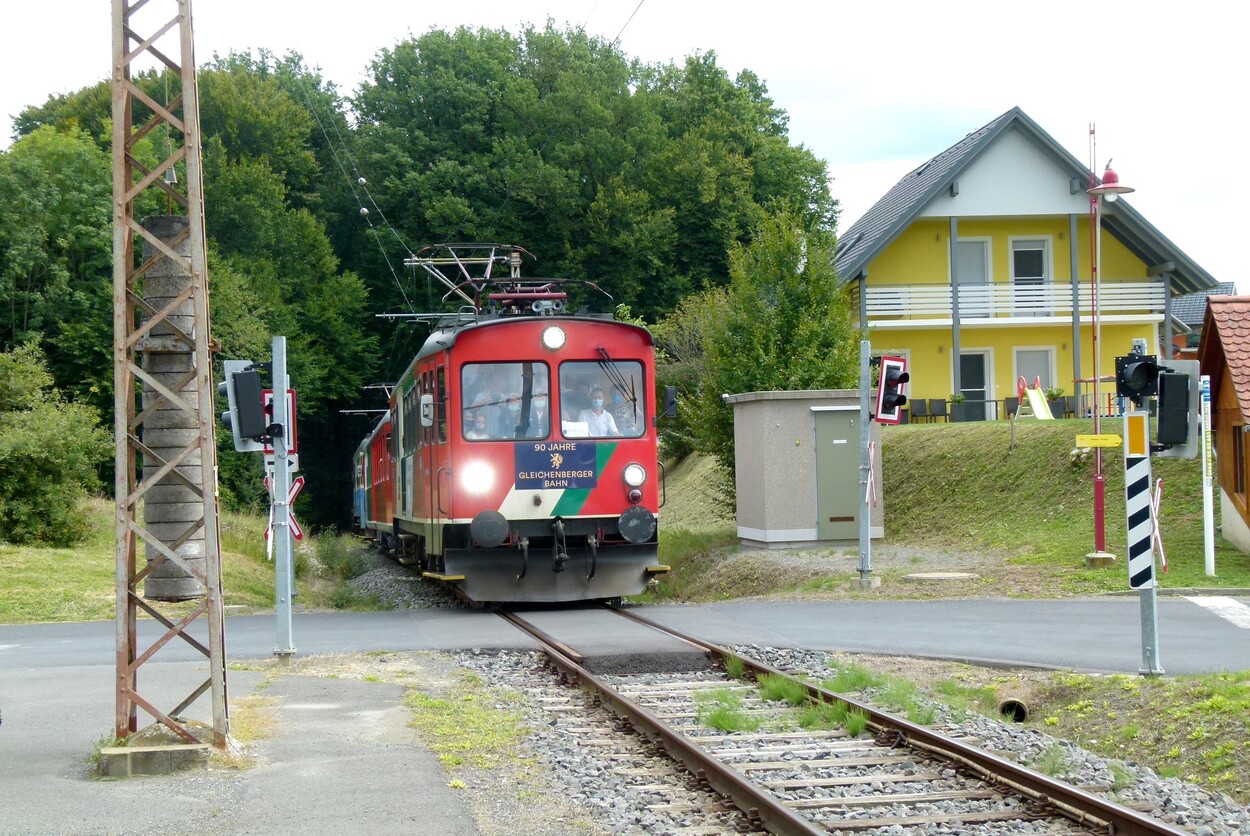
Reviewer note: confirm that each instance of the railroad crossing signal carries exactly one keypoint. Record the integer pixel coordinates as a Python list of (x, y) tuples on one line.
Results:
[(292, 440), (245, 418), (297, 484), (890, 397), (1136, 376), (1180, 399)]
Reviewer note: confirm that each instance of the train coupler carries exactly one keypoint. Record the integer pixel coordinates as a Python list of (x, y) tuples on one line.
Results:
[(559, 548), (524, 546), (593, 545)]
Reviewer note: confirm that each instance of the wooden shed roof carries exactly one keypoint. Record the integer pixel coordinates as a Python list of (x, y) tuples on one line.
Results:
[(1226, 343)]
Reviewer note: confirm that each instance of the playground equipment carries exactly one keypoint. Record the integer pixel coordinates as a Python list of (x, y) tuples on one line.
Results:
[(1032, 400)]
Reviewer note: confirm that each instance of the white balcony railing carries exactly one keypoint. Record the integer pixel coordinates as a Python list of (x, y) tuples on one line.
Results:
[(1008, 300)]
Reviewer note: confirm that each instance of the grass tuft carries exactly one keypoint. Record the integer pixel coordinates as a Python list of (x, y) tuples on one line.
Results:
[(852, 678), (722, 709), (774, 688), (735, 667)]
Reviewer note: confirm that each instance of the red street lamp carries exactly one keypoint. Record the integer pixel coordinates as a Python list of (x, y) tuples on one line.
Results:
[(1110, 190)]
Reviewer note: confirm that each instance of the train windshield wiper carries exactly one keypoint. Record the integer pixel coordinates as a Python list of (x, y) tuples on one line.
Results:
[(621, 383)]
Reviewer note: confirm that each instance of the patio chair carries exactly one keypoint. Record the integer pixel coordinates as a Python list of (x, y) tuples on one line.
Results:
[(919, 410)]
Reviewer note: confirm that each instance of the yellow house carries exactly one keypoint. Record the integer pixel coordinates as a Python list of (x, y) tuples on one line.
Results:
[(1004, 218)]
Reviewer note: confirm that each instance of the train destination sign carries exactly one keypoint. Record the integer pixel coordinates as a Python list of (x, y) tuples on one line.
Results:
[(545, 465)]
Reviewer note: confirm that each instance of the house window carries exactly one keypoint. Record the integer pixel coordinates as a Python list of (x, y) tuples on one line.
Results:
[(1030, 276)]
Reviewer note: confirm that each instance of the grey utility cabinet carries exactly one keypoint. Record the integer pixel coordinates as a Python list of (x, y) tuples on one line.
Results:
[(798, 477)]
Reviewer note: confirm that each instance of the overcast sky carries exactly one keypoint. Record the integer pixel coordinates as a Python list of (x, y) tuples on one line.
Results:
[(873, 88)]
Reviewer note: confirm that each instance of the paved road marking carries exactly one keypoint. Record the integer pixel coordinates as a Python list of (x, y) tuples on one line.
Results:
[(6, 646), (1226, 608)]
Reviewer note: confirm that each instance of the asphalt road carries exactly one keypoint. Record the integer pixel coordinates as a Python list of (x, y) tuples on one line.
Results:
[(341, 754), (1093, 634)]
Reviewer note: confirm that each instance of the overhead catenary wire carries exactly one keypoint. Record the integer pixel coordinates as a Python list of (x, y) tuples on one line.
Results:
[(354, 179)]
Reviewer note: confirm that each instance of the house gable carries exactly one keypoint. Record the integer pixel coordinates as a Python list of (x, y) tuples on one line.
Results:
[(1012, 177), (1012, 138)]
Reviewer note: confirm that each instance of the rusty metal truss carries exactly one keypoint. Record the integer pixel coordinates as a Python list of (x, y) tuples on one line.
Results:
[(152, 42)]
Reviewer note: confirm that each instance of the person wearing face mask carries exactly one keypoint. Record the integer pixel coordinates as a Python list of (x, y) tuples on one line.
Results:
[(540, 418), (477, 429), (511, 417), (599, 422)]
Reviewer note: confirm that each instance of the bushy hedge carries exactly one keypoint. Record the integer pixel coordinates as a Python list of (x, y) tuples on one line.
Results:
[(49, 451)]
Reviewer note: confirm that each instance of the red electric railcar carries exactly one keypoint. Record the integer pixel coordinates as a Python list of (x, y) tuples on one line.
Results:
[(522, 452)]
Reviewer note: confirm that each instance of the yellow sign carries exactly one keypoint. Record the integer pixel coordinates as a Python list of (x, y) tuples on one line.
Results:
[(1136, 427), (1104, 440)]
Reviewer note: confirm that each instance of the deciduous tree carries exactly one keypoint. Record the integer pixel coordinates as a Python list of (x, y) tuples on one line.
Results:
[(785, 325)]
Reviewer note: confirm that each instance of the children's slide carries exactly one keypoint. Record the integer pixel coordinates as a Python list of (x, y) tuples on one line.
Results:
[(1037, 400), (1036, 396)]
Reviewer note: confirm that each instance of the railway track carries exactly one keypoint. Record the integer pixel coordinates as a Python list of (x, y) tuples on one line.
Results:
[(785, 778)]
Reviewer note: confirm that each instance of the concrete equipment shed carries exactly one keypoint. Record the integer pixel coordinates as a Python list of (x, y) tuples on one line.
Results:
[(798, 477)]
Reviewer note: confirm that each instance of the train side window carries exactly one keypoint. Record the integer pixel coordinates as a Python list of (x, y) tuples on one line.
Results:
[(423, 430), (410, 419), (406, 440), (414, 419), (440, 405)]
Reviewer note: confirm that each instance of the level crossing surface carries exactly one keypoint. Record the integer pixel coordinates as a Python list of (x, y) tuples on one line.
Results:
[(1092, 634)]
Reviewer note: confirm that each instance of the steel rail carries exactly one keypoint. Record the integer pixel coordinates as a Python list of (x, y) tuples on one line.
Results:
[(1072, 802), (758, 804)]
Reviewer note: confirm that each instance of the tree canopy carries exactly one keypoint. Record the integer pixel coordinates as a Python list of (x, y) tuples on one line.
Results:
[(780, 325), (642, 178), (637, 177)]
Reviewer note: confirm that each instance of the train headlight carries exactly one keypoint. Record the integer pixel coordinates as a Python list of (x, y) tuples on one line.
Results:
[(477, 477), (635, 475), (553, 338)]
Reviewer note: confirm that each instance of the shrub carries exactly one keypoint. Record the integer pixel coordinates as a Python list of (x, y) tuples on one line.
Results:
[(49, 451)]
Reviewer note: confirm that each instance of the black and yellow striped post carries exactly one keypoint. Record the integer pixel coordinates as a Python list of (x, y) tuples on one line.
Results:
[(1141, 558)]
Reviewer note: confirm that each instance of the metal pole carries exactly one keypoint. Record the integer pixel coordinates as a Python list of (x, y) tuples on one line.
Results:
[(284, 576), (1140, 531), (1100, 481), (865, 464), (1208, 499), (1149, 632)]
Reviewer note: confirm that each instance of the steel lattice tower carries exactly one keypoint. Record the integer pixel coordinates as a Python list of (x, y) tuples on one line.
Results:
[(163, 389)]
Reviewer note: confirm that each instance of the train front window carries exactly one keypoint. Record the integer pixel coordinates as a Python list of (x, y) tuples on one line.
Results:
[(604, 398), (505, 401)]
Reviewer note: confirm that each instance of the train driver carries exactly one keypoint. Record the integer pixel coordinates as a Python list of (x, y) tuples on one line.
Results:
[(599, 421)]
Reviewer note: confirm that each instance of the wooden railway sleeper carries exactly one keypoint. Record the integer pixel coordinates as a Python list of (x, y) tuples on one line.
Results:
[(893, 738)]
